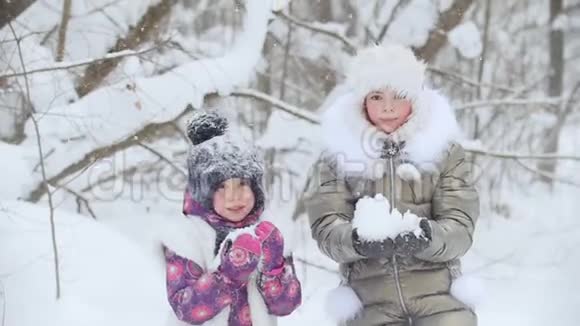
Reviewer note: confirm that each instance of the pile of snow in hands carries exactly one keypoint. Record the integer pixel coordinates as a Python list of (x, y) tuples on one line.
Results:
[(374, 220)]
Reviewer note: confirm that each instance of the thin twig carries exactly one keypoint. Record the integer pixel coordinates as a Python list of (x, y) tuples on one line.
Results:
[(467, 80), (390, 20), (548, 101), (48, 35), (37, 166), (80, 199), (508, 155), (98, 9), (180, 132), (568, 105), (547, 175), (42, 165), (350, 45), (163, 158), (297, 112), (324, 268), (84, 62), (130, 171)]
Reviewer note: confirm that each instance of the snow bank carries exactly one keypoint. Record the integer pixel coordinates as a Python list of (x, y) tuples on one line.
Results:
[(105, 278)]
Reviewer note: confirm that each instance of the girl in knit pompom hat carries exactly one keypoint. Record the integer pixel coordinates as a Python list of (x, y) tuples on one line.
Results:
[(224, 266)]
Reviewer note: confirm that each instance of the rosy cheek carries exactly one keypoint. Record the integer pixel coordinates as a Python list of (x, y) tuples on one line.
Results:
[(407, 109)]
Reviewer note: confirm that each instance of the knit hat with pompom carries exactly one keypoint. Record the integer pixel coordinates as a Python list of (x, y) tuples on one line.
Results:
[(217, 155)]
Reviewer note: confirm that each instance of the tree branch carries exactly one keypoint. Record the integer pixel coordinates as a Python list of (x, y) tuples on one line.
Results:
[(515, 156), (130, 171), (69, 65), (101, 152), (308, 263), (162, 157), (66, 7), (45, 183), (438, 36), (297, 112), (467, 80), (149, 23), (394, 12), (80, 199), (547, 101), (546, 175), (348, 44)]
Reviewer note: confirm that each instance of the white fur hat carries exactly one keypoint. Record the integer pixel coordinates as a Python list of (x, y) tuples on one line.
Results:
[(390, 65)]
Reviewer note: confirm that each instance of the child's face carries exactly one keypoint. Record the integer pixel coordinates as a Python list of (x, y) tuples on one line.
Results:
[(386, 110), (234, 199)]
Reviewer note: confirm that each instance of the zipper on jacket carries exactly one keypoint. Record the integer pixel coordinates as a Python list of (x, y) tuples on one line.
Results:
[(391, 150)]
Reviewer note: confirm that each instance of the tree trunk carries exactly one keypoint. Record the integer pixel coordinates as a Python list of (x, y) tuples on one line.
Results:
[(556, 78), (10, 9), (13, 115)]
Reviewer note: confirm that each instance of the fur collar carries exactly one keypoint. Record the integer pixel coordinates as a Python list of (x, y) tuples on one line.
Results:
[(356, 144)]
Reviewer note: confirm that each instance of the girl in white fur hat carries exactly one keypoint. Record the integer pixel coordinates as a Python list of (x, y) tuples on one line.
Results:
[(394, 204)]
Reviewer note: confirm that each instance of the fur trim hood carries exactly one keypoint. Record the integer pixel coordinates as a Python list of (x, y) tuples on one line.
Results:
[(357, 144)]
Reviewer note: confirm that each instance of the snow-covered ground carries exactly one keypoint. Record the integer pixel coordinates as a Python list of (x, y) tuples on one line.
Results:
[(110, 273)]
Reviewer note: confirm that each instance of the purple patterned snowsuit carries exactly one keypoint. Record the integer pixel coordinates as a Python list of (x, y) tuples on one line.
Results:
[(197, 296)]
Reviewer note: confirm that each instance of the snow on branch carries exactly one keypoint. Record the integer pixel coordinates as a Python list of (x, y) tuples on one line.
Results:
[(297, 112), (546, 101), (448, 20), (84, 62), (350, 45), (101, 152), (115, 117)]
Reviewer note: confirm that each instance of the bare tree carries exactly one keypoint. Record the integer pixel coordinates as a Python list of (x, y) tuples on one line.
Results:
[(42, 165)]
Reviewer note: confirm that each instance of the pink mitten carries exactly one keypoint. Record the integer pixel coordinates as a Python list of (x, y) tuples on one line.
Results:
[(240, 257), (272, 248)]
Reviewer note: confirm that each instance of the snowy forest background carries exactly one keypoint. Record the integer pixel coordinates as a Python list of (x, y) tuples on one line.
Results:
[(95, 94)]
